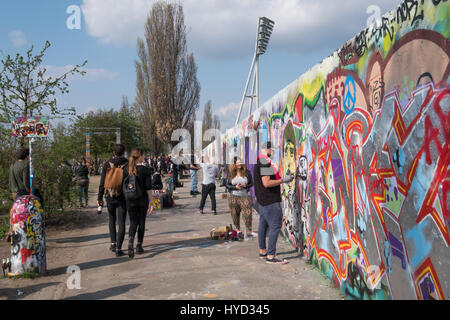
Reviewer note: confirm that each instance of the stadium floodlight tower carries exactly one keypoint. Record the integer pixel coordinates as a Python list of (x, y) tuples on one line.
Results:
[(265, 28)]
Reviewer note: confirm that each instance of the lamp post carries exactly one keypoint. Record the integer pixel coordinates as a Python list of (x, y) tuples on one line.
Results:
[(265, 29)]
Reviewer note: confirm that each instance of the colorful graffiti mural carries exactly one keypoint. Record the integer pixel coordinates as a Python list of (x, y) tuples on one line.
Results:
[(31, 127), (27, 236), (367, 133)]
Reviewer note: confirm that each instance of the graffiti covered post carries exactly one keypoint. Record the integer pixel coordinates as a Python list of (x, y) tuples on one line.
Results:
[(27, 222)]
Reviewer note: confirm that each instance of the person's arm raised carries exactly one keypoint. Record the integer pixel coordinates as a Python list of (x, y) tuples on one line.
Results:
[(268, 183)]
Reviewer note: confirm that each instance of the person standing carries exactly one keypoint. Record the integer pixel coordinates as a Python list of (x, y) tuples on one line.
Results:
[(239, 183), (64, 180), (111, 187), (82, 181), (193, 170), (19, 174), (210, 173), (138, 194), (268, 195)]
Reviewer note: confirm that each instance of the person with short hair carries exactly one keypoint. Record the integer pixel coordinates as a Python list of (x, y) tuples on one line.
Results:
[(116, 203), (268, 195)]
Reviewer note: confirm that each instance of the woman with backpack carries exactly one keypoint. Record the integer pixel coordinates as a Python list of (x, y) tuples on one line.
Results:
[(111, 183), (239, 183), (82, 181), (137, 190)]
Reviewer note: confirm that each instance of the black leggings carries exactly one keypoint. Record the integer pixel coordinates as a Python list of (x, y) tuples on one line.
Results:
[(138, 214), (117, 211)]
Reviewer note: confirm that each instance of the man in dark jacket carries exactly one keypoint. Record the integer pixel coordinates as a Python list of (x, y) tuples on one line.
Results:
[(116, 204)]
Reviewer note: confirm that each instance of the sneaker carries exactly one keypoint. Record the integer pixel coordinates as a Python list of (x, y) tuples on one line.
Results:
[(113, 247), (119, 253), (275, 260), (214, 212), (201, 212), (197, 192), (130, 251), (139, 249)]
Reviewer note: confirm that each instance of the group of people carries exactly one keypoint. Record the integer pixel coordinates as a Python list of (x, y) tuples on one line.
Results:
[(266, 182), (126, 185)]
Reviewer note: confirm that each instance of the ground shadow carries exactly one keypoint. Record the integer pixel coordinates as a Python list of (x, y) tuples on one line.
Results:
[(154, 250), (12, 293), (171, 232), (82, 239), (159, 248), (89, 265), (104, 294)]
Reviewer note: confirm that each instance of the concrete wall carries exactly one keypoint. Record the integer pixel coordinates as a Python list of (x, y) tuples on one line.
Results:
[(368, 132)]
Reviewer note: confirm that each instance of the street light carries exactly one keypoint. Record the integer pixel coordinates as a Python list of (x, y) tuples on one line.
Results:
[(265, 29)]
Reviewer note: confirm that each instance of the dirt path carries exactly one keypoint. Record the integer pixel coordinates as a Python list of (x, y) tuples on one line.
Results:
[(180, 261)]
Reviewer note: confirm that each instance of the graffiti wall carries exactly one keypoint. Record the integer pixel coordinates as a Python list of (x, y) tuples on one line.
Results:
[(367, 132)]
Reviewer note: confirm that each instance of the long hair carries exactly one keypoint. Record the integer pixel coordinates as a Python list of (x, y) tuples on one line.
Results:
[(234, 169), (132, 161)]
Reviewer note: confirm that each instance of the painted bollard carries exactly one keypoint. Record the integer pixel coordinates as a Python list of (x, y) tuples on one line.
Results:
[(27, 237)]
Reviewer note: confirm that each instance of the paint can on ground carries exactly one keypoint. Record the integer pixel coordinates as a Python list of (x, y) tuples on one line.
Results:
[(27, 237)]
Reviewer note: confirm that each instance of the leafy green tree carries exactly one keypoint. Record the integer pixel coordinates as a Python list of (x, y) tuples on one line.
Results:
[(25, 88), (103, 140)]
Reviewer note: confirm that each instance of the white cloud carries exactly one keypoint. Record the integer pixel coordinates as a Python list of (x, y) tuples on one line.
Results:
[(17, 38), (219, 29), (91, 74), (227, 114)]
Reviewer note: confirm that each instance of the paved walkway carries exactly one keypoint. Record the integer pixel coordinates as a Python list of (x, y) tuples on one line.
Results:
[(180, 262)]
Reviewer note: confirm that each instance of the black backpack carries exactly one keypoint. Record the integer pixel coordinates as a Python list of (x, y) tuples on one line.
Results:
[(131, 189), (157, 182), (167, 200)]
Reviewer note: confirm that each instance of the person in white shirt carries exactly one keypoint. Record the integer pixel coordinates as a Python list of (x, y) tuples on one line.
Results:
[(210, 173)]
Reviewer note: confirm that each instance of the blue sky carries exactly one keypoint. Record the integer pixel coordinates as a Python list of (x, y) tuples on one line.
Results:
[(221, 36)]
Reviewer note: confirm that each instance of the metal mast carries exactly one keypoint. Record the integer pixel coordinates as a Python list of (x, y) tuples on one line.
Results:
[(265, 28)]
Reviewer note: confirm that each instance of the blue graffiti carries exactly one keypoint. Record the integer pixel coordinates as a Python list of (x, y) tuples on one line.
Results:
[(387, 254), (399, 159), (397, 249), (349, 95), (422, 246)]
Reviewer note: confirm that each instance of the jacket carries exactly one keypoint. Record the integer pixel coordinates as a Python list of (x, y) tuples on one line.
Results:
[(230, 187), (117, 161), (19, 177)]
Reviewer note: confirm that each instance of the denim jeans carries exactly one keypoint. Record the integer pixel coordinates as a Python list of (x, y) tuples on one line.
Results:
[(194, 180), (83, 190), (270, 218)]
